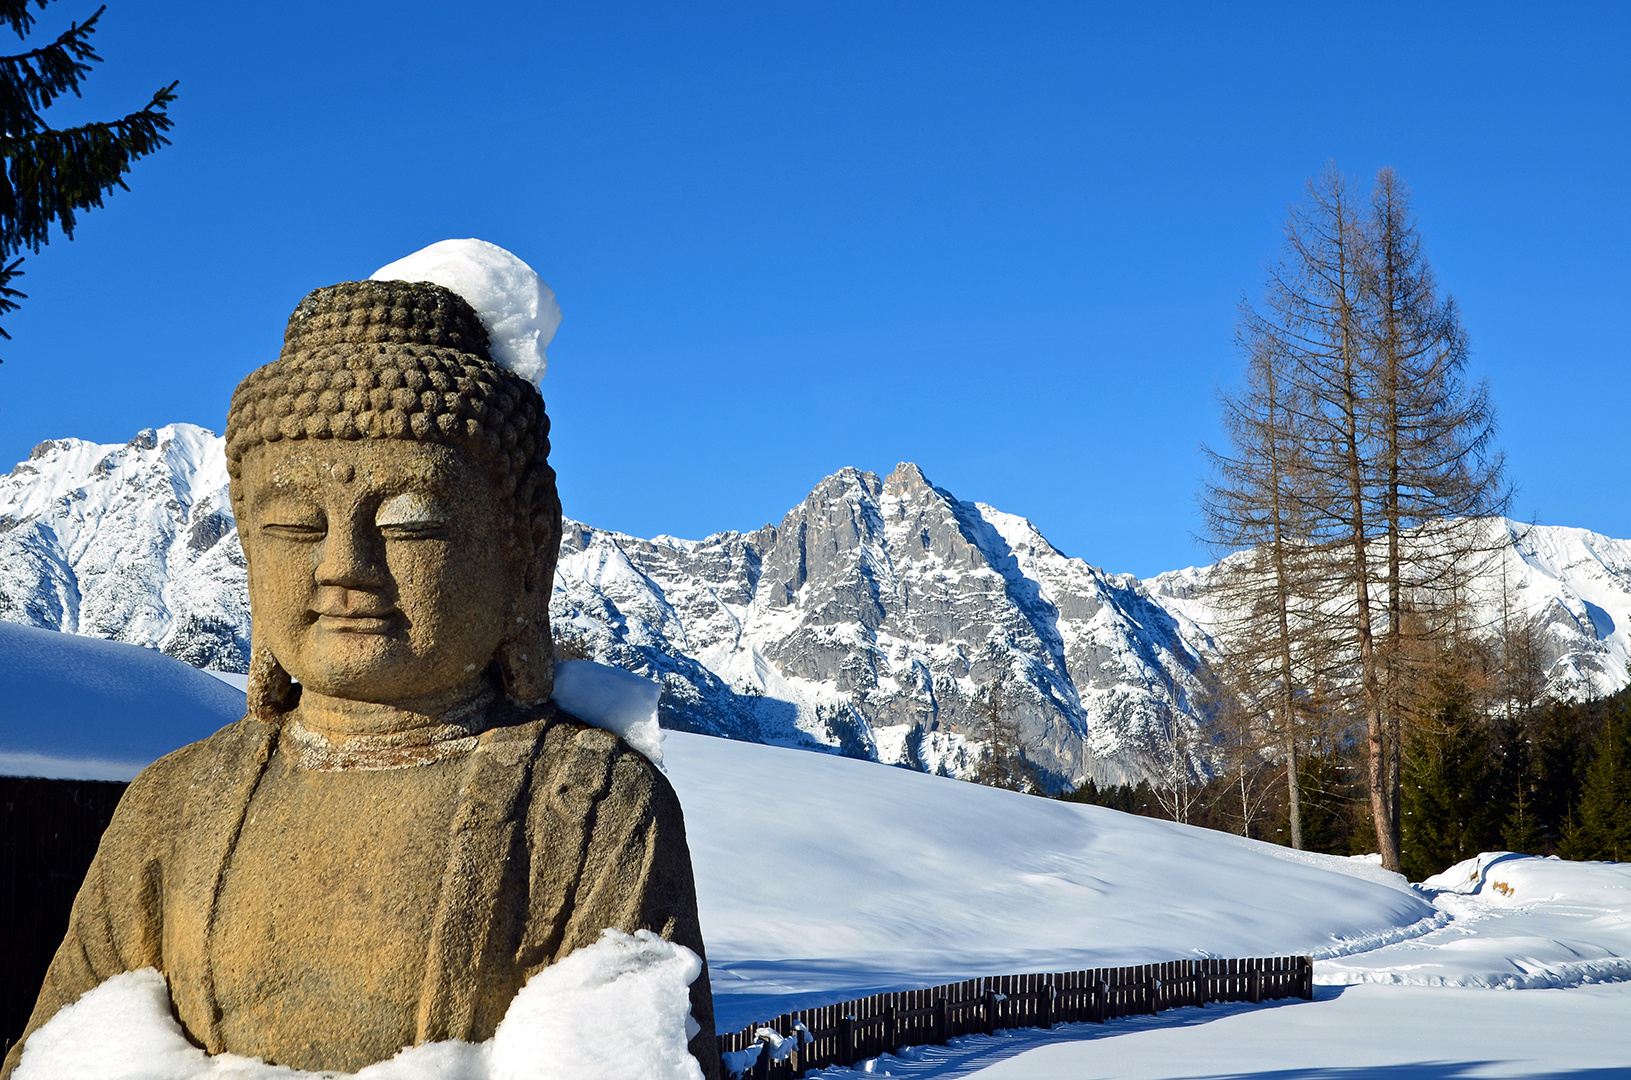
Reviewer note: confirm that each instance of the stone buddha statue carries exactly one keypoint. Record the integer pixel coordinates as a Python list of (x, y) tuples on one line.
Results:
[(404, 828)]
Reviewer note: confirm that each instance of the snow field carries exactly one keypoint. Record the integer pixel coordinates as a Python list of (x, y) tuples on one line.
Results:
[(822, 878), (1346, 1033), (82, 707)]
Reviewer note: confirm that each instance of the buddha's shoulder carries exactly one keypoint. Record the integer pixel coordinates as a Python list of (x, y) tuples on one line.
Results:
[(598, 763), (200, 777), (218, 758)]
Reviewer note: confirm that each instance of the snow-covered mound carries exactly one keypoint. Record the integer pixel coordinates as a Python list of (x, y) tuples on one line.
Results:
[(82, 707), (512, 301), (1513, 921), (618, 1008), (822, 878)]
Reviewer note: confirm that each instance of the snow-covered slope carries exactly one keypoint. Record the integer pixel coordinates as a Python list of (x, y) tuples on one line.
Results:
[(875, 619), (822, 878), (100, 710)]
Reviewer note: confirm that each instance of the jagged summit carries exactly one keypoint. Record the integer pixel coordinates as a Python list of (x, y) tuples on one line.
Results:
[(874, 619)]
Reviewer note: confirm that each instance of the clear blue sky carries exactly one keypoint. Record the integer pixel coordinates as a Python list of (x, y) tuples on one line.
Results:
[(1005, 241)]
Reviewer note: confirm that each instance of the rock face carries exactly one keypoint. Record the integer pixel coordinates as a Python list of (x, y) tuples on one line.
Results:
[(876, 619), (873, 620)]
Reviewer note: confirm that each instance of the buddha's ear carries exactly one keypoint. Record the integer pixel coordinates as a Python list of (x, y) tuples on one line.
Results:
[(526, 657), (271, 692)]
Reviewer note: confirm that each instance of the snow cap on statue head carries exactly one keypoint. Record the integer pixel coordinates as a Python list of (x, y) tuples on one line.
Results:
[(396, 359)]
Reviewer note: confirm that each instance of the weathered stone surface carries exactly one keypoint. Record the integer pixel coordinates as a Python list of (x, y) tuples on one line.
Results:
[(404, 828)]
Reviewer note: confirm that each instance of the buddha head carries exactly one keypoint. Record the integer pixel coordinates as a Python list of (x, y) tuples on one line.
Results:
[(395, 505)]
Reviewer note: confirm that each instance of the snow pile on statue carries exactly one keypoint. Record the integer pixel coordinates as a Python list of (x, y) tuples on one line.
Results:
[(408, 827), (614, 1009)]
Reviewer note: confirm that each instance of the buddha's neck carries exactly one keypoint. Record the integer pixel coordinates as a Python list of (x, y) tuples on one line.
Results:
[(424, 719)]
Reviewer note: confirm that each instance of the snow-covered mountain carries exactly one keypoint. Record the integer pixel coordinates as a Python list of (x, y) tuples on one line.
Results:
[(877, 619), (1572, 587), (134, 543)]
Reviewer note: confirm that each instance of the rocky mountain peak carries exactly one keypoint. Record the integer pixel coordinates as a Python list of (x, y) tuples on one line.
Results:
[(880, 618)]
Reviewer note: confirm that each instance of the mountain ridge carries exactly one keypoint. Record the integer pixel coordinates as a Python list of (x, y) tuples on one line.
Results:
[(879, 618)]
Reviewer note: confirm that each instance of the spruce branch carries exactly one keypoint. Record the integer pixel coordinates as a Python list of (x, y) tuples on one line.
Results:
[(50, 175), (31, 81), (16, 13)]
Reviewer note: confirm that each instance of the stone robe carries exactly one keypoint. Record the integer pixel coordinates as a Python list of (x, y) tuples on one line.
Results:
[(555, 831)]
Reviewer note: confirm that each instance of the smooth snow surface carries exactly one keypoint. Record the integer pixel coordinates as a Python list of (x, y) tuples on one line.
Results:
[(517, 308), (1351, 1033), (619, 1008), (822, 878), (82, 707), (619, 701)]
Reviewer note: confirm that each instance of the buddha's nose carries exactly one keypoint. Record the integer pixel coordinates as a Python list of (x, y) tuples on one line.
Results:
[(352, 559)]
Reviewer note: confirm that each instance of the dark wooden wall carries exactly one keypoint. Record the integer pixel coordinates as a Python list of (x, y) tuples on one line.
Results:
[(49, 830)]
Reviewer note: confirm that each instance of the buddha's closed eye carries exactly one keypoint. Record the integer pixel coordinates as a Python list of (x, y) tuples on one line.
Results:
[(294, 524), (409, 516)]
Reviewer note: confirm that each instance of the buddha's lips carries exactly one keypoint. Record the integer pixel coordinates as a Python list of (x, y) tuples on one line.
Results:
[(357, 624)]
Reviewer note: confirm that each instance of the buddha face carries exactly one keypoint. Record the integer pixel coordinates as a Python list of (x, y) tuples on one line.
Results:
[(380, 570)]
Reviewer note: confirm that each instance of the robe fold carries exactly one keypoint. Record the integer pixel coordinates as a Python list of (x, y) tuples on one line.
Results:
[(557, 831)]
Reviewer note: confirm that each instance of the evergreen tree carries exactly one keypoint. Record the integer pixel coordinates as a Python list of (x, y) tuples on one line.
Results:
[(50, 174), (1602, 825), (1450, 808), (1521, 831)]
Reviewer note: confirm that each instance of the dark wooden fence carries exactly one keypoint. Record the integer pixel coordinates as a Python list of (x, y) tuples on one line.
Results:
[(852, 1031), (49, 830)]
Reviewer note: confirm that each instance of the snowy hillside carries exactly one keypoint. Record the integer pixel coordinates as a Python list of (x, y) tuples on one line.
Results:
[(821, 878), (99, 710), (874, 619)]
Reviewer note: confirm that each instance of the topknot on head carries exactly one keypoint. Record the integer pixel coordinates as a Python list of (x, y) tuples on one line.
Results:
[(391, 359), (385, 312)]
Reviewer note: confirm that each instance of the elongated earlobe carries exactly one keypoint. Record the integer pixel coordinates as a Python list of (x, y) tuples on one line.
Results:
[(527, 663), (271, 692), (526, 659)]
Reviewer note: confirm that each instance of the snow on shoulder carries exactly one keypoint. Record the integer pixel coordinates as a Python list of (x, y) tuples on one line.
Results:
[(614, 700), (517, 308), (618, 1008)]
